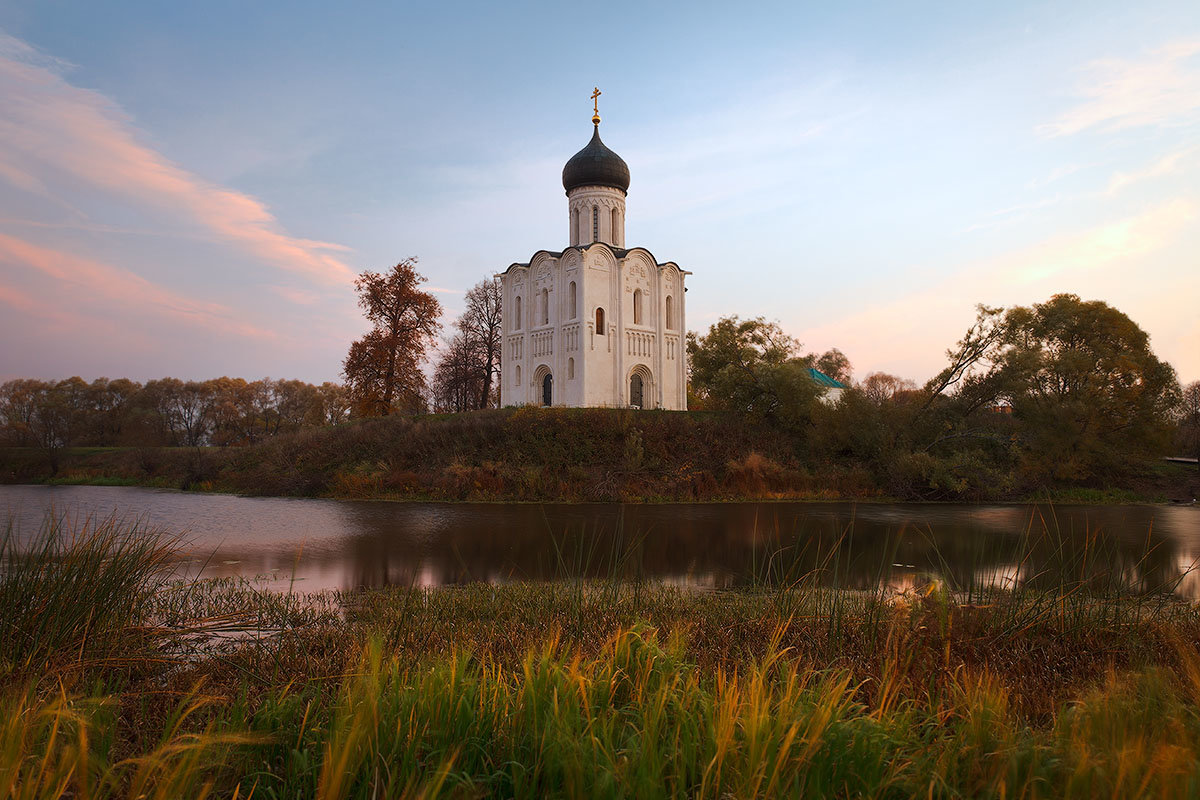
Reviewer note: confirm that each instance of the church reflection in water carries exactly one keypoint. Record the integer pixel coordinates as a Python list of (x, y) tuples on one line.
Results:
[(896, 546)]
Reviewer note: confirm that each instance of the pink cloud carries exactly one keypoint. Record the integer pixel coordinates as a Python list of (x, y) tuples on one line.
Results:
[(63, 128), (15, 298), (300, 297), (127, 289)]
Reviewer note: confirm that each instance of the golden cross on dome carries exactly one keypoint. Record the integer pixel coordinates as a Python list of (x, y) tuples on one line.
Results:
[(596, 105)]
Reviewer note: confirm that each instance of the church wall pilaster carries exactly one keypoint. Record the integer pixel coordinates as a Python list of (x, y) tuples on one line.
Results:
[(660, 364), (682, 385), (618, 278)]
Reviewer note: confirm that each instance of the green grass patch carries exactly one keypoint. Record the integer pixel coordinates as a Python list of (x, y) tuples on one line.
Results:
[(1080, 495)]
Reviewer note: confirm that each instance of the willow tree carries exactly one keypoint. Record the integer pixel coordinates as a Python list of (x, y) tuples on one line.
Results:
[(1090, 396), (1082, 378), (383, 368)]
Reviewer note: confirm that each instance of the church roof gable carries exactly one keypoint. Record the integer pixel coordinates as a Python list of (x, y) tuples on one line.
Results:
[(824, 380)]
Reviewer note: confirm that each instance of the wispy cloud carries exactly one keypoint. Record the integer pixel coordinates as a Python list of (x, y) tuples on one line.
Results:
[(1122, 239), (128, 291), (1161, 89), (1005, 216), (1168, 165), (15, 298), (1057, 174), (301, 297), (61, 128), (25, 303)]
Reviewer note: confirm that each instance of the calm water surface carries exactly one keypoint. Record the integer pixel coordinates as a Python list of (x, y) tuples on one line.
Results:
[(320, 544)]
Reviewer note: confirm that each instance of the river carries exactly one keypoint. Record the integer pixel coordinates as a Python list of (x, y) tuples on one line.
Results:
[(310, 545)]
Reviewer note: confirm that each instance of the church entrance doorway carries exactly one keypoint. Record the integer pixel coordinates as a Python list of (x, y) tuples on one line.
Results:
[(635, 391), (547, 387)]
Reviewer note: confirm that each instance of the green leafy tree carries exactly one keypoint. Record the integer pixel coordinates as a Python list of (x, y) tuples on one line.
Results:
[(834, 364), (751, 366), (1080, 378)]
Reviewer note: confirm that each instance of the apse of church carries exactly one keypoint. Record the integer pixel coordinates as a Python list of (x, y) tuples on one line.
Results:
[(597, 323)]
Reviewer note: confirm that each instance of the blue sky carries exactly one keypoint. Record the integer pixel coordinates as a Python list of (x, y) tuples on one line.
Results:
[(188, 189)]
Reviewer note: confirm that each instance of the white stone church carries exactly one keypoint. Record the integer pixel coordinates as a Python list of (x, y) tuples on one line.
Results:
[(596, 324)]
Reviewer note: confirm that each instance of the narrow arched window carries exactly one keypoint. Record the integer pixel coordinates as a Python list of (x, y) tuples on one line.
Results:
[(571, 298), (600, 321), (595, 224), (574, 223), (545, 306), (570, 369), (615, 227), (517, 307), (637, 307), (517, 376), (670, 315)]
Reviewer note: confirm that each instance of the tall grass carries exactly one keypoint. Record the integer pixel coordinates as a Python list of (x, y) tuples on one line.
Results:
[(61, 747), (797, 687), (77, 592)]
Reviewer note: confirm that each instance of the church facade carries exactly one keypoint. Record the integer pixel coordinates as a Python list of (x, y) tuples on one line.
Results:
[(597, 323)]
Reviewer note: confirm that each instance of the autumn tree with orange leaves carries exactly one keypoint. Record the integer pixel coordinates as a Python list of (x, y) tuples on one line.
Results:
[(383, 369)]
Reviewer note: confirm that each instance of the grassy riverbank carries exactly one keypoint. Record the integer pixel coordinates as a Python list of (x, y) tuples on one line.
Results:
[(117, 681), (572, 455)]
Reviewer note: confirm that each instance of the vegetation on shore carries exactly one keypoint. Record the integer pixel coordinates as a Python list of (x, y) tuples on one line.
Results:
[(584, 455), (160, 688), (1061, 400)]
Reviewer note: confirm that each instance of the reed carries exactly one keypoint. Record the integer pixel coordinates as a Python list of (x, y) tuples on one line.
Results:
[(77, 593)]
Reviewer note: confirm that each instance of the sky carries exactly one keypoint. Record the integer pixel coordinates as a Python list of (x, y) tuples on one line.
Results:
[(189, 189)]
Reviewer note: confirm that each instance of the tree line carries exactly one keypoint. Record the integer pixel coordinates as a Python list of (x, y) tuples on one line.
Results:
[(165, 412), (1065, 391)]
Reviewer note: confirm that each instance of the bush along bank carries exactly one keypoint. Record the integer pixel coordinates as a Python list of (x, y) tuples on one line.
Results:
[(581, 455)]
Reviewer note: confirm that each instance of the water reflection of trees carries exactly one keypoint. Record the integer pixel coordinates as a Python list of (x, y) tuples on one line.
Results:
[(1138, 548), (740, 545)]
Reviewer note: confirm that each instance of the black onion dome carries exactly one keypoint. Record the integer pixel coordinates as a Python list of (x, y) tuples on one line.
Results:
[(596, 165)]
